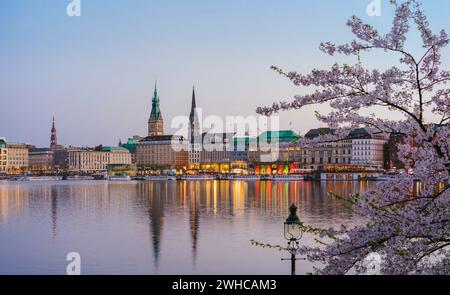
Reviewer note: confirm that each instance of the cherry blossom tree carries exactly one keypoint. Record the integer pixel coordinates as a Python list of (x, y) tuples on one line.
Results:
[(408, 229)]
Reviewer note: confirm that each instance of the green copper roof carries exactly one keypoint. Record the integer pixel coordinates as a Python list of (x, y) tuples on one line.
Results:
[(131, 145), (3, 143), (15, 143), (279, 136), (113, 148), (155, 104)]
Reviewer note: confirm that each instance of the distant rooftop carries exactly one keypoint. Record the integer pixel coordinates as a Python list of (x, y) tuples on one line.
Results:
[(359, 133), (40, 150), (9, 143), (161, 138), (114, 148), (3, 142), (131, 145), (282, 136), (314, 133)]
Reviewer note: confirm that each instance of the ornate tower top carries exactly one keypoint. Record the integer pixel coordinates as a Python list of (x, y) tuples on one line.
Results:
[(155, 122), (155, 104), (53, 137)]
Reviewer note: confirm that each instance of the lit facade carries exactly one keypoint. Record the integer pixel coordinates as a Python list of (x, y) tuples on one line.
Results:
[(97, 160), (162, 152), (17, 158), (41, 160), (273, 147), (3, 156), (368, 149)]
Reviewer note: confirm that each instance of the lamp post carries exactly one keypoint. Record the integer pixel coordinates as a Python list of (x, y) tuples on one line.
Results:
[(293, 233)]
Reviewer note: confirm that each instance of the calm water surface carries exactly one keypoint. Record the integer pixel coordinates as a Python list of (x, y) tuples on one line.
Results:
[(171, 227)]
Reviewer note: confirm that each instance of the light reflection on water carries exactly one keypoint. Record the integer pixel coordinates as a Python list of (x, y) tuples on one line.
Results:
[(171, 227)]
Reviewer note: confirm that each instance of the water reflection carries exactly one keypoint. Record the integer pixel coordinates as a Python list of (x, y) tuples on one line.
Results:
[(158, 227)]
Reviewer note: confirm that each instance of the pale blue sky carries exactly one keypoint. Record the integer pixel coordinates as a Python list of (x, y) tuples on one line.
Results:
[(96, 72)]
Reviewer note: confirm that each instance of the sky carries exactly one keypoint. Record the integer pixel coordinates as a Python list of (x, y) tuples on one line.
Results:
[(96, 72)]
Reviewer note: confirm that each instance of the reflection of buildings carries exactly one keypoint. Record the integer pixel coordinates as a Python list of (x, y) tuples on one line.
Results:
[(156, 213), (194, 217), (14, 202), (54, 208)]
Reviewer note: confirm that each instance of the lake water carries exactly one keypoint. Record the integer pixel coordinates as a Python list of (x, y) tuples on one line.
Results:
[(164, 227)]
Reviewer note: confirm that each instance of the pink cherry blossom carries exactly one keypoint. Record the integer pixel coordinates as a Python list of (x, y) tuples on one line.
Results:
[(408, 217)]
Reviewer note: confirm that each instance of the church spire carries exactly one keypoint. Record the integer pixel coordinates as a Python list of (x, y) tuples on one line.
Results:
[(193, 106), (53, 138)]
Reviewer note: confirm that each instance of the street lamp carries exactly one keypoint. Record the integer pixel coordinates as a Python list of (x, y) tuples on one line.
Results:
[(293, 233)]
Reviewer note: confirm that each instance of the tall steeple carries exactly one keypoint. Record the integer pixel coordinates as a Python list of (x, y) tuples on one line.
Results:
[(53, 137), (155, 122), (193, 106), (195, 138), (194, 126)]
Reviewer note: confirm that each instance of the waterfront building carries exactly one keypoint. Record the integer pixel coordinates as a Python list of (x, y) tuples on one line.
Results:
[(17, 158), (275, 152), (60, 158), (216, 154), (3, 156), (131, 146), (155, 122), (162, 152), (338, 153), (195, 138), (41, 160), (89, 161), (117, 155), (368, 148)]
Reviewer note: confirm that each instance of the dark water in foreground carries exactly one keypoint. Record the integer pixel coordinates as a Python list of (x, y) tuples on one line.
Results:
[(174, 227)]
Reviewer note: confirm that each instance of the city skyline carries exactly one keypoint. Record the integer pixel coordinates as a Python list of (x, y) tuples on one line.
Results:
[(95, 75)]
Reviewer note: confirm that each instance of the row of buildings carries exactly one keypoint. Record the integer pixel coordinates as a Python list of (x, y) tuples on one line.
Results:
[(270, 152)]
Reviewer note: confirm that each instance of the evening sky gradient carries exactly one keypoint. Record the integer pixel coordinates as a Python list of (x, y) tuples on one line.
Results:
[(96, 72)]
